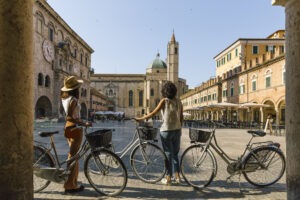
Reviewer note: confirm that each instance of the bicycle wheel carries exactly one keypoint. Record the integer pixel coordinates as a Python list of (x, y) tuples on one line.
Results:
[(264, 166), (105, 172), (148, 162), (41, 159), (198, 167)]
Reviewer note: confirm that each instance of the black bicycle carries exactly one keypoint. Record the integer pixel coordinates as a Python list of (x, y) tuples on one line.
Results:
[(261, 163)]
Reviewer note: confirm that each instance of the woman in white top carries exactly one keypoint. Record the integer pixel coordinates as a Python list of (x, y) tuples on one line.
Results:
[(170, 131), (71, 106)]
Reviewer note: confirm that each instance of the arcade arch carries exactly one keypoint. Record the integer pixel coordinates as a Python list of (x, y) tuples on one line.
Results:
[(43, 107)]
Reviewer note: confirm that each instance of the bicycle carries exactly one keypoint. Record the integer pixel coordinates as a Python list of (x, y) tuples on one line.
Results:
[(261, 163), (147, 159), (104, 170)]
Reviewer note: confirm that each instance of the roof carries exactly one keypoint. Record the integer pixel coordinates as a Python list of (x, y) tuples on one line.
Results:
[(157, 62)]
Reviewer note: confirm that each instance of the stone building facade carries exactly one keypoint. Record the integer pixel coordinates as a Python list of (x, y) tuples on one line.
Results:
[(138, 94), (251, 70), (58, 52)]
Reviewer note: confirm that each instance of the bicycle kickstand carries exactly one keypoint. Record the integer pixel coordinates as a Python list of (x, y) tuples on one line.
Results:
[(240, 188)]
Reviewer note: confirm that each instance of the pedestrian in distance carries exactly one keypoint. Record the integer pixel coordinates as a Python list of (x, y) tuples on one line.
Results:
[(170, 130), (73, 133)]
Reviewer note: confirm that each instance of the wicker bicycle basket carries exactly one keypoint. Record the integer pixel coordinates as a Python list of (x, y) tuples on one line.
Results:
[(99, 138), (199, 135), (147, 133)]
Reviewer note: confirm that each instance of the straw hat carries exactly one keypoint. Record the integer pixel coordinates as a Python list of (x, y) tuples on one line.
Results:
[(71, 83)]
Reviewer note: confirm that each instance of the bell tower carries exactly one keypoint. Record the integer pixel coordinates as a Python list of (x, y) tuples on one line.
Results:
[(172, 60)]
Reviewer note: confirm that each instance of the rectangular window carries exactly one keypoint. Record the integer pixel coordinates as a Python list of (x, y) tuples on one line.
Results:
[(231, 91), (268, 81), (241, 89), (281, 49), (228, 56), (254, 49), (141, 95), (152, 92), (270, 48), (236, 52), (224, 93), (39, 25), (51, 34), (253, 85), (209, 97)]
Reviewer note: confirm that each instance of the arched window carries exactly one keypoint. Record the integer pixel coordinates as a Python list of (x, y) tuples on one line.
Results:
[(152, 92), (47, 81), (141, 95), (40, 79), (40, 22), (253, 82), (51, 32), (224, 94), (110, 93), (283, 74), (231, 89), (268, 78), (130, 96), (242, 86)]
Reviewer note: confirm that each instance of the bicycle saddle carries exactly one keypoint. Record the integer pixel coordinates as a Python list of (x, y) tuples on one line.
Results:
[(47, 133), (258, 133)]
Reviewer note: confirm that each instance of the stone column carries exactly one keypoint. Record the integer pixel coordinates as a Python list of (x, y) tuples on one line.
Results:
[(292, 23), (16, 99)]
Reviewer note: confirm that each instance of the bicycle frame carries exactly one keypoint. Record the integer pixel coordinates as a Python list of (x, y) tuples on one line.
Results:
[(212, 142), (135, 140), (71, 161)]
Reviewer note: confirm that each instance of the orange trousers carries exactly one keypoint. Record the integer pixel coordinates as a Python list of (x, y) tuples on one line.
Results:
[(74, 137)]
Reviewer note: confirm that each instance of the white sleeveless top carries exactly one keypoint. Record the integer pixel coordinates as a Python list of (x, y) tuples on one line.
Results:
[(66, 103), (171, 115)]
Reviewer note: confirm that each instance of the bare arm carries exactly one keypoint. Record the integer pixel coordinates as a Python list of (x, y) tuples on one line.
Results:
[(158, 107), (181, 114)]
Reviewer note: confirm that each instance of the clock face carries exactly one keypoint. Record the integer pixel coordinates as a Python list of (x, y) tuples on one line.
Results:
[(48, 50)]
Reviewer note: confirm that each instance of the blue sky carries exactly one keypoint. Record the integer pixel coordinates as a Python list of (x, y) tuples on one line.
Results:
[(127, 34)]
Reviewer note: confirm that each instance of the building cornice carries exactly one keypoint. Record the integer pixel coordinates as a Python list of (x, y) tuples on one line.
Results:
[(279, 2), (248, 41)]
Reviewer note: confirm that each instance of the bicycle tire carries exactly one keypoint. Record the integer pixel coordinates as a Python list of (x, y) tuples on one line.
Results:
[(154, 169), (198, 166), (260, 176), (105, 172), (40, 158)]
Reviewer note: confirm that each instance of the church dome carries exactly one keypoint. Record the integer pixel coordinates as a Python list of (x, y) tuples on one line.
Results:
[(157, 63)]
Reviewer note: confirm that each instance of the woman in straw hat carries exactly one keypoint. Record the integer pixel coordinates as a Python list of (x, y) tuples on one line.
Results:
[(71, 106)]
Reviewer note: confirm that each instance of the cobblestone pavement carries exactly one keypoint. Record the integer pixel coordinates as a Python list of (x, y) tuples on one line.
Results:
[(231, 140)]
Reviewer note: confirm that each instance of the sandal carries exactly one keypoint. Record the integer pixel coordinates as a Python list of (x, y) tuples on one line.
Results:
[(79, 189)]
